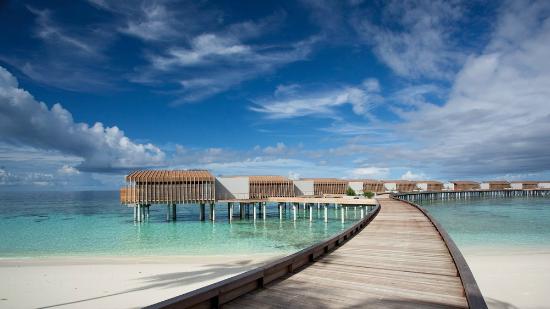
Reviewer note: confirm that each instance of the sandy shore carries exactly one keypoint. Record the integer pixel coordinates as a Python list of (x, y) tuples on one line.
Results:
[(112, 282), (511, 277)]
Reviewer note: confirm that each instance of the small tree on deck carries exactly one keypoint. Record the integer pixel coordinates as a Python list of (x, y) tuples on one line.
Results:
[(350, 191)]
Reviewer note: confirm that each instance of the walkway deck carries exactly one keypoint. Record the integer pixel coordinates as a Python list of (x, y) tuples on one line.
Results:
[(398, 261)]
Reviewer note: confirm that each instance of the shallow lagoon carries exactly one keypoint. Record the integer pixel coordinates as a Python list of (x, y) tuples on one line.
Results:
[(522, 221), (95, 224)]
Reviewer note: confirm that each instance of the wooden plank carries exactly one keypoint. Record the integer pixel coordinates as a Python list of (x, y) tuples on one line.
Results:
[(398, 260)]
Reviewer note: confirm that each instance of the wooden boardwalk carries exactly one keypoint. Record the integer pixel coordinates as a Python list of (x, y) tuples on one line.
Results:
[(398, 261)]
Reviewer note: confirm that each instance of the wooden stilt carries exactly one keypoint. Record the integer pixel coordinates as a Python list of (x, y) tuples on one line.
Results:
[(263, 211), (174, 214), (326, 213), (294, 211), (202, 212)]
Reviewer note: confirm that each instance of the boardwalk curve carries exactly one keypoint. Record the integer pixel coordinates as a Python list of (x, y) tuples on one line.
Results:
[(400, 260)]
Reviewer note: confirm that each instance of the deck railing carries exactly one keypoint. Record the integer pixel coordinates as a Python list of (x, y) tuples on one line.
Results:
[(217, 294)]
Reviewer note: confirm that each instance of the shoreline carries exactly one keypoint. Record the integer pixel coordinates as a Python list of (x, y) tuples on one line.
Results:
[(113, 282)]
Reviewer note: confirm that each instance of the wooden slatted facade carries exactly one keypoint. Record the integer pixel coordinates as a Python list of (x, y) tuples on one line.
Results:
[(495, 185), (270, 186), (430, 185), (371, 185), (168, 187), (402, 185), (322, 186), (465, 185)]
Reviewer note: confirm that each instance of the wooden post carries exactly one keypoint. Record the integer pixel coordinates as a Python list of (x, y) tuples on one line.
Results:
[(326, 213), (174, 214), (167, 212), (135, 212), (343, 213), (240, 210), (294, 211), (310, 213), (263, 211), (280, 212), (201, 212), (230, 211), (362, 212)]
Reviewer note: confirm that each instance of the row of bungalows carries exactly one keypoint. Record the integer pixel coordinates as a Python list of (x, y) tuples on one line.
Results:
[(200, 186)]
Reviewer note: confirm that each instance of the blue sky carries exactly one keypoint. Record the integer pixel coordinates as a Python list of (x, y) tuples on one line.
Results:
[(360, 89)]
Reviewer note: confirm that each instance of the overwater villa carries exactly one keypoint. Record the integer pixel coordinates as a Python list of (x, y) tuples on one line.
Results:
[(526, 184), (495, 185), (429, 185), (366, 185), (463, 185), (399, 185)]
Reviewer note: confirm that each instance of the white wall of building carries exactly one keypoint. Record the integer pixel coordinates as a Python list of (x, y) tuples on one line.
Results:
[(232, 188), (485, 186), (449, 186), (422, 186), (516, 185), (357, 186), (303, 187), (544, 185), (390, 186)]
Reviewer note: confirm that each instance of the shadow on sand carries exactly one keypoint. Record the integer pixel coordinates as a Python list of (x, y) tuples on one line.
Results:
[(176, 279)]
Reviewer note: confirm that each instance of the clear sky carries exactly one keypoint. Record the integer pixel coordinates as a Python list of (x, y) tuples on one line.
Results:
[(361, 89)]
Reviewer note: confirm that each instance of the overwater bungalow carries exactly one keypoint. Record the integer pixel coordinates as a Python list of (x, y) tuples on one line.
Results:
[(463, 185), (429, 185), (253, 187), (366, 185), (399, 185), (320, 186), (495, 185), (525, 184), (168, 187)]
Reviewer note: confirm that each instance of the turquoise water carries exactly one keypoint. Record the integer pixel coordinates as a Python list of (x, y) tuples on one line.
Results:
[(94, 223), (495, 222)]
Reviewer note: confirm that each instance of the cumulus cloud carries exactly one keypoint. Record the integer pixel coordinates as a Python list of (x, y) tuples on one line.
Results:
[(370, 172), (412, 176), (26, 121), (321, 103), (497, 117)]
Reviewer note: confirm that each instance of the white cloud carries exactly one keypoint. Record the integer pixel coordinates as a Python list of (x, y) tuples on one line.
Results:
[(423, 47), (497, 117), (25, 121), (412, 176), (371, 172), (278, 149), (320, 103), (68, 170), (50, 33)]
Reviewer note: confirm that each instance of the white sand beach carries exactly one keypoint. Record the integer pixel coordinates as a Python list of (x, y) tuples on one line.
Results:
[(511, 277), (112, 282)]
